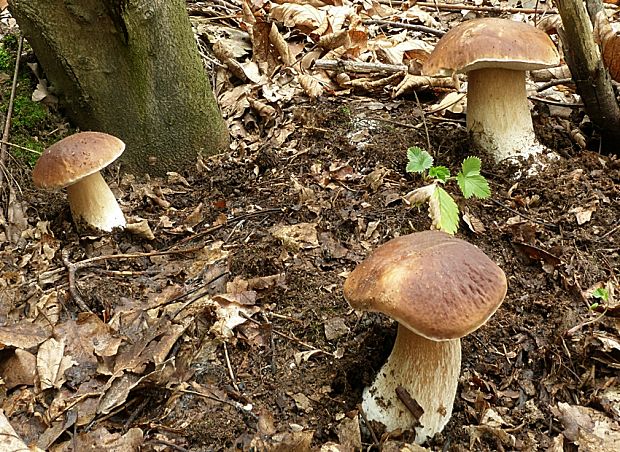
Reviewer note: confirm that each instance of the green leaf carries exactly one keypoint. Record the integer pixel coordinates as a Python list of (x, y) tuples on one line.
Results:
[(601, 293), (441, 173), (471, 166), (419, 160), (473, 185), (443, 211)]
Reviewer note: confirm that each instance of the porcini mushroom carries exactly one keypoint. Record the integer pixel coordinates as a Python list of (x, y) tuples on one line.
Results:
[(74, 162), (495, 54), (439, 289)]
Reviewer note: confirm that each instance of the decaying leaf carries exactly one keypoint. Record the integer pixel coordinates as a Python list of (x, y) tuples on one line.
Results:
[(305, 17), (19, 369), (609, 41), (52, 363), (10, 440), (589, 428), (310, 85), (297, 236)]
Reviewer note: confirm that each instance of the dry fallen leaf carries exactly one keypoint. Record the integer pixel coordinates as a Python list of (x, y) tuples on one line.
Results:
[(52, 363), (9, 440), (297, 236)]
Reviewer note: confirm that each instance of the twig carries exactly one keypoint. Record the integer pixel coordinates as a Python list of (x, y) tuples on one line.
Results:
[(611, 231), (359, 67), (235, 404), (555, 102), (23, 148), (230, 370), (9, 112), (74, 267), (488, 9), (372, 431), (414, 27), (527, 217), (576, 328), (552, 83), (71, 269), (285, 336), (428, 137), (167, 444)]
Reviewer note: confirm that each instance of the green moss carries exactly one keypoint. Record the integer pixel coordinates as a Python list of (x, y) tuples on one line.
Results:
[(29, 156), (6, 60), (10, 42), (28, 114)]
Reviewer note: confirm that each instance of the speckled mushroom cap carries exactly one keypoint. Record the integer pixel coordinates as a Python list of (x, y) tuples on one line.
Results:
[(491, 43), (438, 286), (75, 157)]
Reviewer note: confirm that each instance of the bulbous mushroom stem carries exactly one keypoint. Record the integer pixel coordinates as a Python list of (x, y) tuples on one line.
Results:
[(94, 205), (498, 113), (429, 371)]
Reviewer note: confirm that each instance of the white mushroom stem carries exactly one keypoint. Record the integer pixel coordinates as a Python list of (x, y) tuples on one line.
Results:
[(429, 371), (498, 113), (93, 204)]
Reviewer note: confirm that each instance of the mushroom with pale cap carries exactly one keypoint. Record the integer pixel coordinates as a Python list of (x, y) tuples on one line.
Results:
[(495, 54), (439, 289), (74, 162)]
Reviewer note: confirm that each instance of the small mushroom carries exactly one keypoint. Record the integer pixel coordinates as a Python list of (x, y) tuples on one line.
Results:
[(439, 289), (495, 54), (74, 162)]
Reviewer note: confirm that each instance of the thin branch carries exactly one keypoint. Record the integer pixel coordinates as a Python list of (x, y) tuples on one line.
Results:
[(7, 123), (359, 67), (415, 27)]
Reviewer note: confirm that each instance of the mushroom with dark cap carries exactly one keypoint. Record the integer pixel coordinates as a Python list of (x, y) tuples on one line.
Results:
[(74, 162), (439, 289), (495, 54)]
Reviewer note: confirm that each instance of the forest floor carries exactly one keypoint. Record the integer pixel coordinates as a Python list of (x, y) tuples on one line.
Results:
[(217, 320)]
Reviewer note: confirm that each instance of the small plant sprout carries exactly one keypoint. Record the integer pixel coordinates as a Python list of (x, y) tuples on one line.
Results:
[(442, 208), (601, 293)]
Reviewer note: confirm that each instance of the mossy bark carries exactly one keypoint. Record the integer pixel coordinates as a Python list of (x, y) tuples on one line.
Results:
[(130, 68)]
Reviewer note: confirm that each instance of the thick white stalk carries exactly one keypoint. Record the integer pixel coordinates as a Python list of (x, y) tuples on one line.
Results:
[(93, 204), (429, 371), (498, 113)]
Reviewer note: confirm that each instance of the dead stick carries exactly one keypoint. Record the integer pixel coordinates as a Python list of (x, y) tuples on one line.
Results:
[(359, 66), (73, 267), (488, 9), (7, 124), (230, 369), (414, 27)]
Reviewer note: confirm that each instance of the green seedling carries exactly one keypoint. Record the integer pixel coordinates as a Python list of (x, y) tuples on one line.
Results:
[(442, 208), (600, 294)]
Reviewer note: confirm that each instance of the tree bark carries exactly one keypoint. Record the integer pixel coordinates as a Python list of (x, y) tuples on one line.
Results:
[(130, 68), (589, 73)]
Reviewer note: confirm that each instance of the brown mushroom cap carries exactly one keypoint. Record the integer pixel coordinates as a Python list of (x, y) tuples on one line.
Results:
[(438, 286), (491, 43), (75, 157)]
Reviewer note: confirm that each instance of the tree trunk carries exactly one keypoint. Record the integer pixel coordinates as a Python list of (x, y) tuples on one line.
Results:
[(130, 68), (589, 73)]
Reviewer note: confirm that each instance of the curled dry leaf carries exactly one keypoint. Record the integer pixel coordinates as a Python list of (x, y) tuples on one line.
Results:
[(264, 110), (310, 85), (281, 46), (610, 44), (304, 17)]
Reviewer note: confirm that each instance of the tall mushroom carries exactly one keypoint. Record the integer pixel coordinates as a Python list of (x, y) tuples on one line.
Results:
[(495, 54), (74, 162), (439, 289)]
